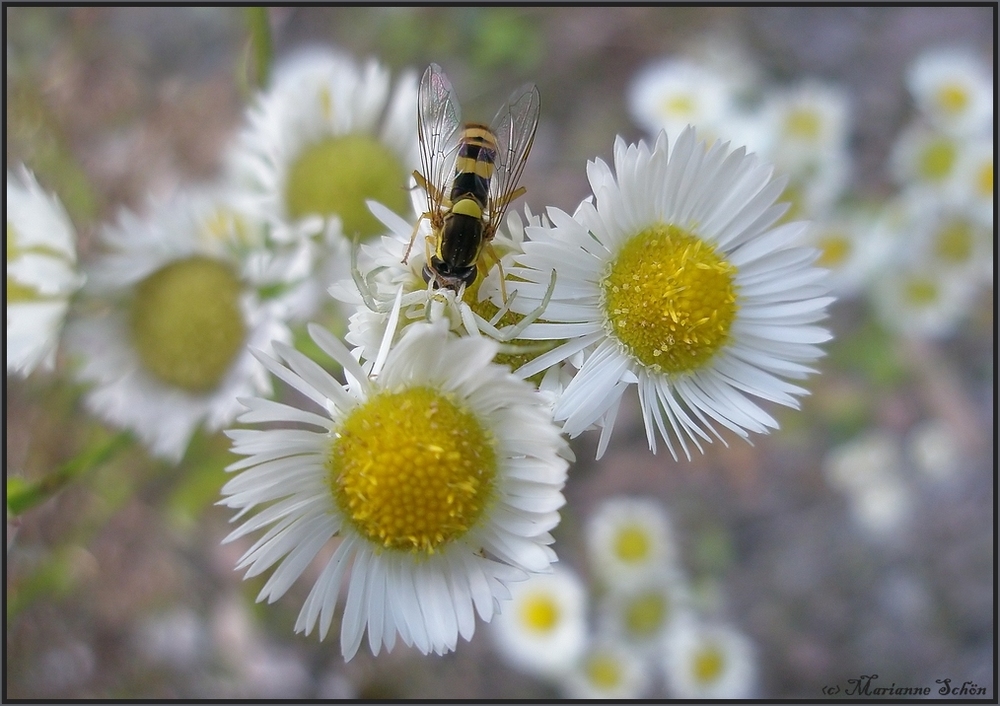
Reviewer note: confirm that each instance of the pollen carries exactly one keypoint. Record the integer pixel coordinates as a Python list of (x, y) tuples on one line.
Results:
[(632, 545), (803, 124), (953, 242), (953, 99), (412, 470), (707, 664), (937, 159), (645, 614), (835, 249), (337, 175), (603, 670), (540, 613), (669, 299), (186, 322)]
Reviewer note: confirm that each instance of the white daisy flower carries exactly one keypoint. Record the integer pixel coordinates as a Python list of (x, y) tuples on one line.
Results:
[(608, 669), (708, 661), (883, 506), (853, 465), (641, 612), (675, 93), (854, 248), (807, 121), (922, 299), (324, 138), (954, 89), (629, 538), (438, 473), (481, 310), (41, 272), (972, 184), (165, 341), (935, 450), (924, 158), (543, 629), (697, 222)]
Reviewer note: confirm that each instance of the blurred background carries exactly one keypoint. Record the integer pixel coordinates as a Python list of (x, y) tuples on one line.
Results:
[(118, 587)]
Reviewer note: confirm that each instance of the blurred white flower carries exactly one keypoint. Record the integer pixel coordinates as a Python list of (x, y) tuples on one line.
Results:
[(438, 473), (543, 629), (923, 158), (855, 464), (641, 612), (324, 138), (174, 307), (971, 187), (628, 539), (935, 450), (42, 273), (708, 661), (674, 93), (808, 124), (678, 282), (854, 248), (608, 669), (953, 88)]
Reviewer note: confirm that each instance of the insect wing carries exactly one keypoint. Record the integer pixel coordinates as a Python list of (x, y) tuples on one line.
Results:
[(514, 127), (438, 119)]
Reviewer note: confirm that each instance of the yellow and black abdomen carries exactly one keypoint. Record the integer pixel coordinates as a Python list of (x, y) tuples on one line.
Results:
[(475, 163)]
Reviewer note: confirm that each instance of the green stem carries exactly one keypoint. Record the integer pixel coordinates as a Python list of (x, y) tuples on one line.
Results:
[(260, 40), (23, 495)]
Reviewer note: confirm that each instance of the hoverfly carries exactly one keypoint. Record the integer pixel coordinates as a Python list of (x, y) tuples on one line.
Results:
[(470, 177)]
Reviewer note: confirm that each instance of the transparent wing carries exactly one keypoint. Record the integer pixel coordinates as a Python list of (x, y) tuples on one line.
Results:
[(514, 127), (438, 119)]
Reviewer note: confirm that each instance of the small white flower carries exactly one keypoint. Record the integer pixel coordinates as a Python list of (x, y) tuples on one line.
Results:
[(807, 121), (854, 248), (971, 187), (922, 299), (675, 93), (325, 137), (640, 612), (883, 506), (41, 272), (925, 159), (481, 309), (434, 475), (609, 669), (543, 629), (629, 539), (954, 89), (706, 661), (165, 340), (676, 281), (855, 464), (935, 450)]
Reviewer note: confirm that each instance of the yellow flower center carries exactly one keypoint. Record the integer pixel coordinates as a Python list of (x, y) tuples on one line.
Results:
[(632, 545), (187, 325), (525, 351), (984, 180), (835, 248), (803, 124), (952, 99), (412, 470), (539, 612), (937, 159), (919, 290), (680, 105), (669, 299), (336, 175), (645, 614), (954, 240), (707, 664), (603, 670)]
